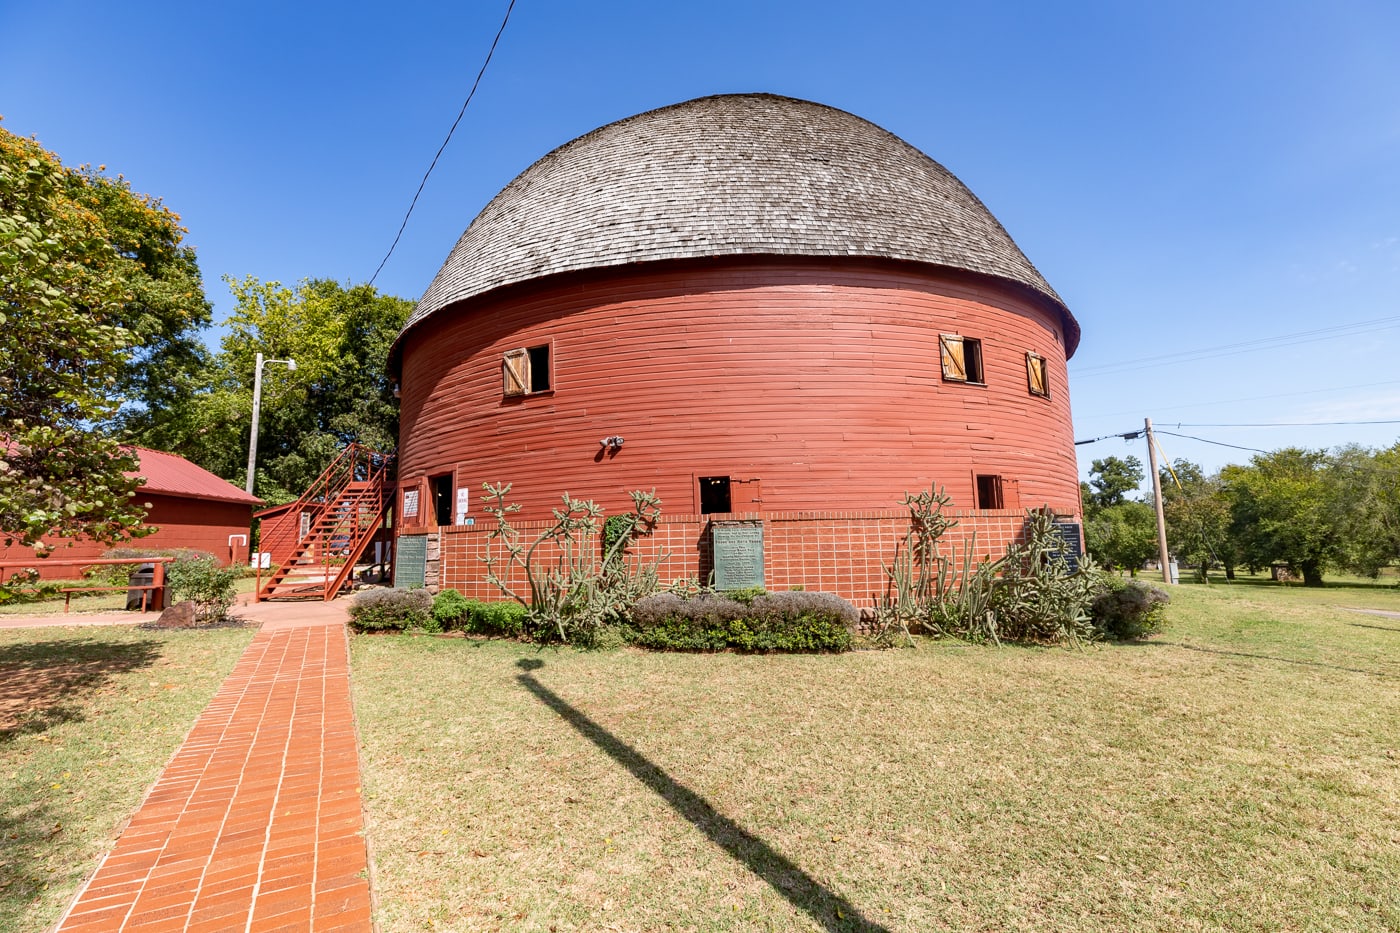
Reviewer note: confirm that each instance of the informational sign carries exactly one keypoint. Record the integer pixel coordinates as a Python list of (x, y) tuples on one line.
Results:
[(738, 556), (411, 561), (462, 499), (410, 503), (1072, 550)]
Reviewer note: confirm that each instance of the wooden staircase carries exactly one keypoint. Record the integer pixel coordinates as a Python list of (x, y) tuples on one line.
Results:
[(344, 509)]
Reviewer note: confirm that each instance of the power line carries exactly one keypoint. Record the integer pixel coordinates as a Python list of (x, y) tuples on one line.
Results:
[(1233, 349), (1216, 443), (470, 95), (1283, 424), (1257, 398)]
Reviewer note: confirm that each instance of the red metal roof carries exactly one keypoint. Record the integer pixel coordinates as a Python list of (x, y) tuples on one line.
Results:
[(173, 475)]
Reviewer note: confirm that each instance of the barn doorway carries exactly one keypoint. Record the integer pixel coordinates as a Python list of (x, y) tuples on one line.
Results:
[(442, 499)]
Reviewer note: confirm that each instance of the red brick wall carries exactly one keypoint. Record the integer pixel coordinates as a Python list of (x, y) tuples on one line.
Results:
[(818, 381), (198, 524), (833, 552)]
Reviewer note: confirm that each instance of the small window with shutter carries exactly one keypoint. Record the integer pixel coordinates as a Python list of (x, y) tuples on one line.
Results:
[(526, 371), (961, 358), (1037, 377), (989, 492)]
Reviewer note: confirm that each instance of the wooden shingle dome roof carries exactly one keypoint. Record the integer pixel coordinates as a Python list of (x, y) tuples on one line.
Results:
[(730, 175)]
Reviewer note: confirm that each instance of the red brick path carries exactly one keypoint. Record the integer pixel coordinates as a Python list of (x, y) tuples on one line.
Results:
[(255, 824)]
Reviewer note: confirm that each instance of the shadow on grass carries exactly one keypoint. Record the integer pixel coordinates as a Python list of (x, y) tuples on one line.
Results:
[(1383, 628), (830, 910), (43, 683), (1384, 675)]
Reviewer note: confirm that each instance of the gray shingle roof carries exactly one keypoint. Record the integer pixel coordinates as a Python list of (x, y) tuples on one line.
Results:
[(741, 174)]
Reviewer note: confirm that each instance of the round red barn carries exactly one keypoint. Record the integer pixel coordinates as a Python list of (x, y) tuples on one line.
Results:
[(752, 304)]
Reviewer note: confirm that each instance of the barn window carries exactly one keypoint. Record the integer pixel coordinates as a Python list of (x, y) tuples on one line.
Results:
[(714, 495), (962, 358), (989, 492), (526, 371), (1037, 378)]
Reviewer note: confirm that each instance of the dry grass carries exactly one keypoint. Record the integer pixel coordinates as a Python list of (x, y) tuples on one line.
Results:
[(1239, 772), (88, 717)]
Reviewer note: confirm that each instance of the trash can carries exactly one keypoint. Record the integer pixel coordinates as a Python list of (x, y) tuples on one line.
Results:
[(143, 575)]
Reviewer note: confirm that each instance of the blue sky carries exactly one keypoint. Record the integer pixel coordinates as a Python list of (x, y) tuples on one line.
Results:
[(1192, 177)]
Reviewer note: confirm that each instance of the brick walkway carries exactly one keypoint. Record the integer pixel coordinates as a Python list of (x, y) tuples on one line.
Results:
[(255, 825)]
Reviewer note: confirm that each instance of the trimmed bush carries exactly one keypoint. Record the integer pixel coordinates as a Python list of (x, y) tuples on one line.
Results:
[(393, 611), (453, 612), (788, 622), (450, 610), (1127, 609)]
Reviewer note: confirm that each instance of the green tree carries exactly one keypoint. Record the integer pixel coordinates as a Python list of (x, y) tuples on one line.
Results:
[(64, 349), (1197, 512), (1111, 480), (339, 393), (1281, 508), (1122, 536), (1365, 500)]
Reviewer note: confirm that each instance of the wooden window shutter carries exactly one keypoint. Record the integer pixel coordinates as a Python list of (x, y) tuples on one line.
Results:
[(516, 372), (1036, 375), (950, 347)]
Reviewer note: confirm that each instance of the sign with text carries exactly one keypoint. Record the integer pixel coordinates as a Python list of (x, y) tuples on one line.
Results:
[(1072, 550), (411, 561), (738, 556), (410, 503)]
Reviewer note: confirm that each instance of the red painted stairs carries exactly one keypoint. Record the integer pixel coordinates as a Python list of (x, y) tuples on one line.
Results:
[(340, 513)]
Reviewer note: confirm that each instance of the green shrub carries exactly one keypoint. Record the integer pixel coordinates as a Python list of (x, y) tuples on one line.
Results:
[(453, 612), (1127, 609), (392, 611), (450, 610), (202, 581), (789, 622), (499, 618)]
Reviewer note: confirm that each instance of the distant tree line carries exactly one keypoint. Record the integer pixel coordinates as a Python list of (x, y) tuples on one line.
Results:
[(1312, 510)]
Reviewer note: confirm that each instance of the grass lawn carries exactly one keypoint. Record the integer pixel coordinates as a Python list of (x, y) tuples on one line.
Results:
[(1241, 771), (88, 717)]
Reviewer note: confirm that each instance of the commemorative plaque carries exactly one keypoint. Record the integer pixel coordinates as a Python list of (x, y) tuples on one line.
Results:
[(738, 556)]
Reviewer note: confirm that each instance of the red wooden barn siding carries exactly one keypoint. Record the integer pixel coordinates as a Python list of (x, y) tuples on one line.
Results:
[(198, 524), (819, 379), (841, 553)]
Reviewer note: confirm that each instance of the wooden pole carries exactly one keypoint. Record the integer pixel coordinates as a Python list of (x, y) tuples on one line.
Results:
[(1157, 501)]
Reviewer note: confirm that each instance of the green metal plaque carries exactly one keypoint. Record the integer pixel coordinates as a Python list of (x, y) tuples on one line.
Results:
[(738, 556), (410, 561)]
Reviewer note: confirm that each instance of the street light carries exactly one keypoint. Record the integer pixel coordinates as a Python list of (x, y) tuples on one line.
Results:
[(257, 403)]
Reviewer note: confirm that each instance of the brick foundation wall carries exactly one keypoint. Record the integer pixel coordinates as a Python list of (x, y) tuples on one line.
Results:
[(834, 552)]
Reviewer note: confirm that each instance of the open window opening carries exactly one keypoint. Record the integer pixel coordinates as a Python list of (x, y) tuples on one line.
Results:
[(1037, 376), (442, 499), (714, 495), (526, 371), (961, 358), (989, 492)]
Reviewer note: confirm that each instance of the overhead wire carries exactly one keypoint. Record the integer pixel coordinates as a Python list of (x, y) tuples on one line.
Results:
[(1234, 349), (470, 95)]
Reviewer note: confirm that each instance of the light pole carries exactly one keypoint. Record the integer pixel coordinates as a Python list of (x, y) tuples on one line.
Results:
[(257, 403)]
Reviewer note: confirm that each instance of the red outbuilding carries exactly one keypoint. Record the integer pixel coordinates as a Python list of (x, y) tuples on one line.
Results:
[(190, 508), (772, 312)]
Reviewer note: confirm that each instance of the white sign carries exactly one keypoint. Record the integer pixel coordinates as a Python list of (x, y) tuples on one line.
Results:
[(261, 560), (410, 503), (461, 506)]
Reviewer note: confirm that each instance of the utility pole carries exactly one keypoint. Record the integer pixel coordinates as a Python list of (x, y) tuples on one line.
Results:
[(1157, 501), (257, 404)]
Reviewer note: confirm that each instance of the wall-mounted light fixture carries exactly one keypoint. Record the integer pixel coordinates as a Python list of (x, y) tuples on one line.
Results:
[(611, 443)]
